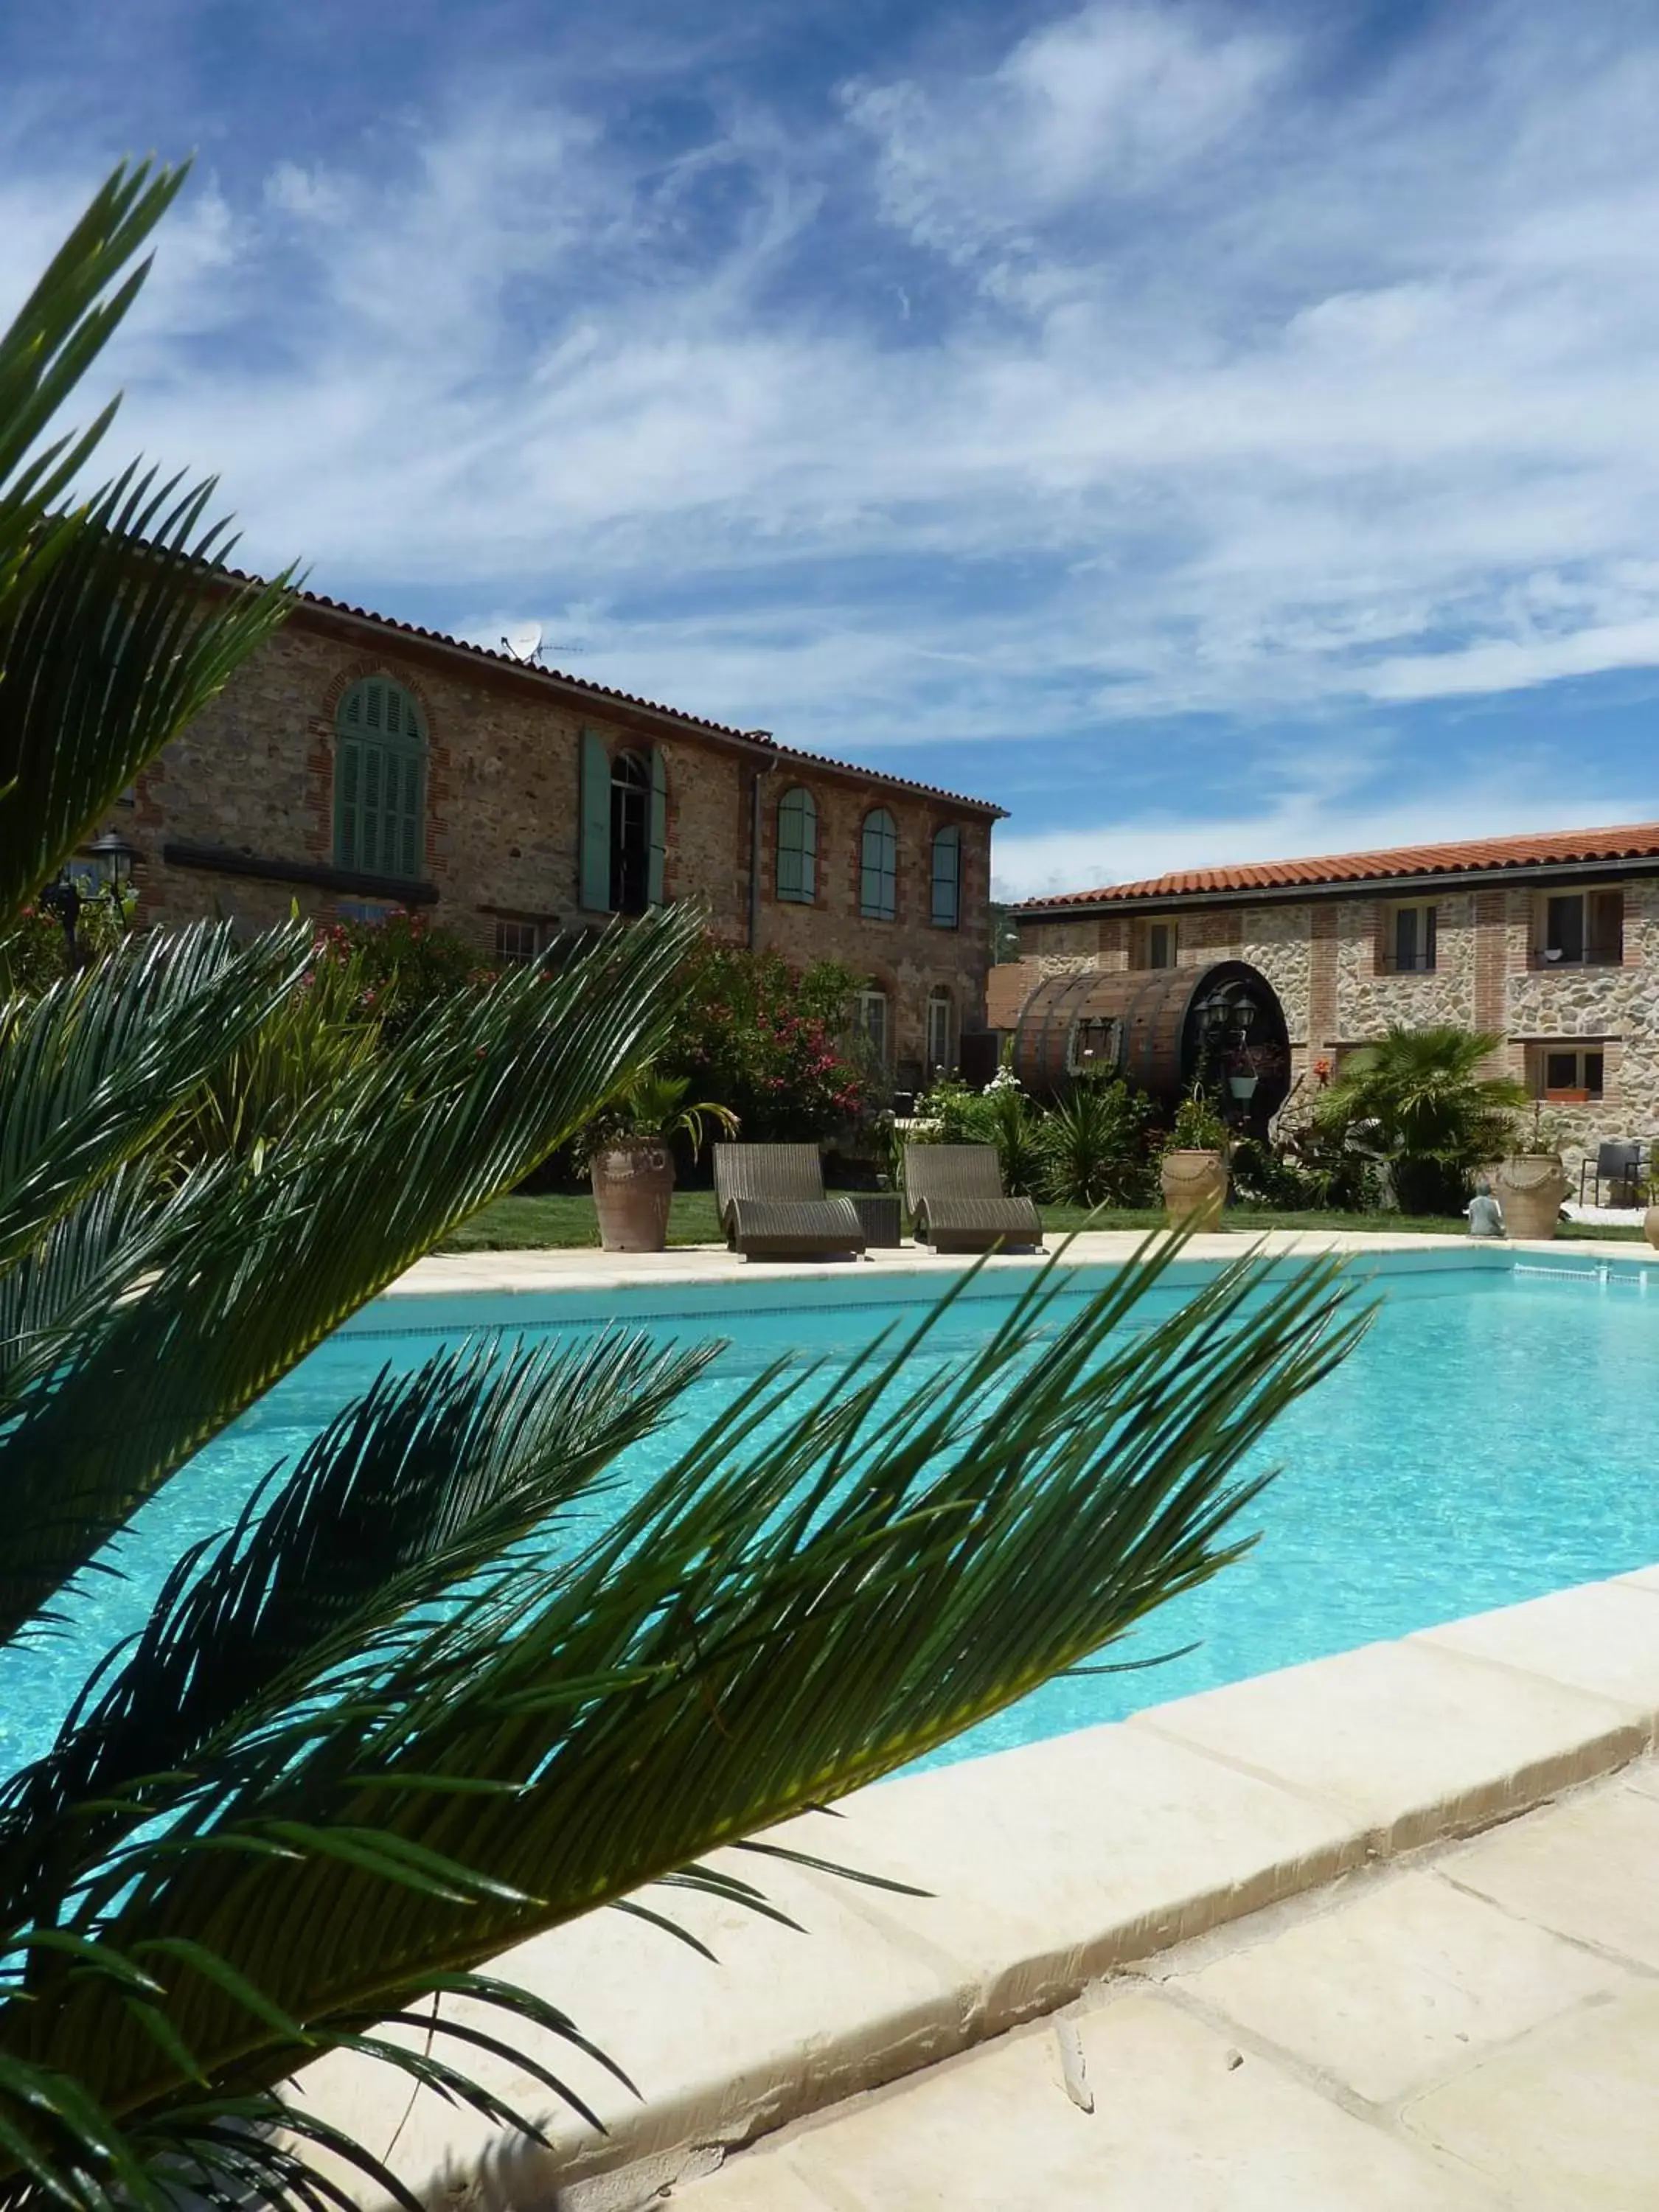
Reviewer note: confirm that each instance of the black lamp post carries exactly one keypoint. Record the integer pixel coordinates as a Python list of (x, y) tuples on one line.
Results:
[(112, 859)]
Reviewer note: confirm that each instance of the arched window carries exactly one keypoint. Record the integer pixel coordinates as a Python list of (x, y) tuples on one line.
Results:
[(630, 834), (870, 1018), (621, 860), (798, 847), (947, 906), (878, 867), (939, 1030), (379, 781)]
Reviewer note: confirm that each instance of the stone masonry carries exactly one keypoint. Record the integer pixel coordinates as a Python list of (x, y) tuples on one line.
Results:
[(1326, 957), (236, 817)]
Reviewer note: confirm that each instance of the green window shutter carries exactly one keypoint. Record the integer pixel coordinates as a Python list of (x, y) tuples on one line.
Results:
[(656, 868), (798, 847), (379, 781), (947, 878), (595, 861), (348, 802), (878, 867)]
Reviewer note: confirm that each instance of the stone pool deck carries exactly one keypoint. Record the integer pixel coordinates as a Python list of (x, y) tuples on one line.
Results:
[(1377, 1934), (579, 1268)]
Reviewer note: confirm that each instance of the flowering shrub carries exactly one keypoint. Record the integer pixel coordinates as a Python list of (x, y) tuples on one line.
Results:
[(769, 1041), (405, 963)]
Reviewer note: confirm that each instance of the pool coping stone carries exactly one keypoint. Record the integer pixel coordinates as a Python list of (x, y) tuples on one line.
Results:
[(1051, 1866)]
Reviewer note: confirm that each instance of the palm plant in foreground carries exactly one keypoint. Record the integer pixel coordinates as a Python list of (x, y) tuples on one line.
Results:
[(444, 1683)]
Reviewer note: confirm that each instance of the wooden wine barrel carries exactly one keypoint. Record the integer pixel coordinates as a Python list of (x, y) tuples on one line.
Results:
[(1159, 1028)]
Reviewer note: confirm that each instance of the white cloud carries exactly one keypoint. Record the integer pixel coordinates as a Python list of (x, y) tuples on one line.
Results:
[(1229, 381), (1299, 826)]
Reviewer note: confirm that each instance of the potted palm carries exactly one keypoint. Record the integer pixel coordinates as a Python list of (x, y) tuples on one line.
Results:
[(1529, 1182), (630, 1161), (1422, 1101), (1193, 1175)]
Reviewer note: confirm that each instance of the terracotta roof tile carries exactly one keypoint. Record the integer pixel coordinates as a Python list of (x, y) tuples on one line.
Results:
[(1631, 840), (630, 698)]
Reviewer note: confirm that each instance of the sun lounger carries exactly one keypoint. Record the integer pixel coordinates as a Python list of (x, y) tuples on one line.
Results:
[(956, 1200), (771, 1204)]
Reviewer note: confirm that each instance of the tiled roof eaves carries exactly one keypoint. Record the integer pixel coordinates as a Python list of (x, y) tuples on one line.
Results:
[(1426, 867), (985, 806), (584, 688)]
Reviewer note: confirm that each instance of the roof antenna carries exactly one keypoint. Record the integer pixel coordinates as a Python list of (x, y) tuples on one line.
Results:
[(525, 646)]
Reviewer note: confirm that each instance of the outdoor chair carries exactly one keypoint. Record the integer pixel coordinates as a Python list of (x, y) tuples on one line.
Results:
[(771, 1204), (1622, 1165), (957, 1201)]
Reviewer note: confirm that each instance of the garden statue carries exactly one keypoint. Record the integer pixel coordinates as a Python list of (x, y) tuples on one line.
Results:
[(1485, 1215)]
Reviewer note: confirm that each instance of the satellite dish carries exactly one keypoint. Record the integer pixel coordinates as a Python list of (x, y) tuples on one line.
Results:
[(526, 645)]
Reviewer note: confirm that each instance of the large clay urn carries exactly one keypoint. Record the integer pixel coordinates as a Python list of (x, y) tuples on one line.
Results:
[(633, 1183), (1530, 1186), (1651, 1227), (1194, 1185)]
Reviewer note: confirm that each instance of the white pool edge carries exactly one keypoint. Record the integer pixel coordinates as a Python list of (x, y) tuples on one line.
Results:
[(1050, 1866)]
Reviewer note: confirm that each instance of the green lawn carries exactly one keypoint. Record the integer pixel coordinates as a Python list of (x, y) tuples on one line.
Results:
[(514, 1225)]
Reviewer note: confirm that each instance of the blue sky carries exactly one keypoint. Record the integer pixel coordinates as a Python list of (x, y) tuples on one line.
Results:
[(1215, 432)]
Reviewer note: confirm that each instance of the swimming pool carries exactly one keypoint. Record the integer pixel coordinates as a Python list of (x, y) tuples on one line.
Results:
[(1491, 1440)]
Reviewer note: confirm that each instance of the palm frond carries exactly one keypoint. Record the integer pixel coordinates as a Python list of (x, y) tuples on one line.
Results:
[(461, 1109), (128, 631), (412, 1489), (830, 1581), (94, 1067), (55, 336)]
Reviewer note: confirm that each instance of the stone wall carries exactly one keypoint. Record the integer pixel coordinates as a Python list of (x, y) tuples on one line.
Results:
[(1323, 958), (254, 775)]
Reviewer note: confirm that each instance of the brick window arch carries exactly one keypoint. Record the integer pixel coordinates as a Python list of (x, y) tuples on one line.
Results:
[(379, 780)]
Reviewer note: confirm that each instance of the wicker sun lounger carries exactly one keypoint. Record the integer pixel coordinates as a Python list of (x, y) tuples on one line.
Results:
[(956, 1199), (771, 1204)]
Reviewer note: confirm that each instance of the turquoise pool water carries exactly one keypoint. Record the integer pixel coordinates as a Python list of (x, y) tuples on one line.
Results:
[(1492, 1439)]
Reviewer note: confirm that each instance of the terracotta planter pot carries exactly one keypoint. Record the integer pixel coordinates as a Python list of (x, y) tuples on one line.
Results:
[(1651, 1227), (1530, 1186), (1194, 1185), (633, 1184)]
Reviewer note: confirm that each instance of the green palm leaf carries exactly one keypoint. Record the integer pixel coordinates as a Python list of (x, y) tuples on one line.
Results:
[(467, 1104), (823, 1588), (119, 620)]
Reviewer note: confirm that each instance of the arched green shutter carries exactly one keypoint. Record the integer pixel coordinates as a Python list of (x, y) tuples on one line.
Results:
[(595, 856), (379, 781), (658, 863)]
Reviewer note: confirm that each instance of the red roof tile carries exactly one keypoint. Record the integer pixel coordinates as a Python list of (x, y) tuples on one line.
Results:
[(631, 698), (1634, 841)]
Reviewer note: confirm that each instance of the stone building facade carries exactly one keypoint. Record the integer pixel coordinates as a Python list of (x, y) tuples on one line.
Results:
[(1550, 942), (357, 766)]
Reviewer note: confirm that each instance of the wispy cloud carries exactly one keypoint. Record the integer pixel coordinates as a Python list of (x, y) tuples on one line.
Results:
[(1169, 367)]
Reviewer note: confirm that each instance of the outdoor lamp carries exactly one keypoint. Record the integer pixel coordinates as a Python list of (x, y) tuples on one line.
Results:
[(112, 859)]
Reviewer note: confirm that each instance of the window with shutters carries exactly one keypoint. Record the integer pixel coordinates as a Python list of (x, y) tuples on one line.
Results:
[(870, 1019), (798, 847), (939, 1030), (1411, 936), (878, 867), (630, 834), (1574, 1074), (946, 904), (1579, 929), (379, 781), (1154, 943)]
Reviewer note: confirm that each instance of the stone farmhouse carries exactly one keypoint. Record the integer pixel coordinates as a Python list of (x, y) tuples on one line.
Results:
[(1550, 942), (359, 765)]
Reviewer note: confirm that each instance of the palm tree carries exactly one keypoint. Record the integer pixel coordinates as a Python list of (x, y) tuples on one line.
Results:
[(434, 1691), (1423, 1096)]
